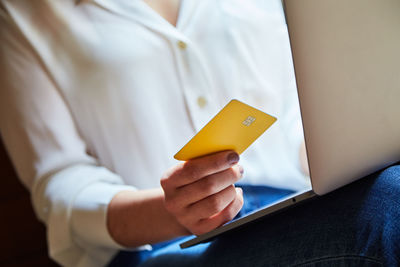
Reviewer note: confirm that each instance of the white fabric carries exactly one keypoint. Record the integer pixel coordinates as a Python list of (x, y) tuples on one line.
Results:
[(97, 96)]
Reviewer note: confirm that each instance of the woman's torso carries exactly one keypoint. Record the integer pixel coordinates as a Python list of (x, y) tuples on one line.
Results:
[(139, 88)]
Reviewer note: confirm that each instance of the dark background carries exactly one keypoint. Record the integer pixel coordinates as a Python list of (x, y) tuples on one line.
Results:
[(22, 236)]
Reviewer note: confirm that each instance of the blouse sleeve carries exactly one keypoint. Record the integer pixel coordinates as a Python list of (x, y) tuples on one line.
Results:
[(70, 191)]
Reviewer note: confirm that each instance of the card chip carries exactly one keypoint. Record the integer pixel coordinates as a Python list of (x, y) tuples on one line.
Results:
[(249, 120)]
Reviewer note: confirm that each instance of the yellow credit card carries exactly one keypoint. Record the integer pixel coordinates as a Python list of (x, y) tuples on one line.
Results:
[(235, 127)]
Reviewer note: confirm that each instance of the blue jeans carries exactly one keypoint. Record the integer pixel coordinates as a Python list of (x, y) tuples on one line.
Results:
[(357, 225)]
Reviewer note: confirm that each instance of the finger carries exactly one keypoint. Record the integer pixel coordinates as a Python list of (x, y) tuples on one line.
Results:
[(208, 186), (198, 168), (213, 204), (206, 225)]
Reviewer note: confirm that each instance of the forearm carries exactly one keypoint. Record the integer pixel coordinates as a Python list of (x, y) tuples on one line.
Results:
[(135, 218)]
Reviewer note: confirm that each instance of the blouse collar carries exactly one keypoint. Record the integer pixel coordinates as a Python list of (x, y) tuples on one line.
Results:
[(142, 13)]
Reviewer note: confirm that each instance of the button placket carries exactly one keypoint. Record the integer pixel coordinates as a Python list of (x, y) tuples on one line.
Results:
[(201, 101), (194, 85), (181, 45)]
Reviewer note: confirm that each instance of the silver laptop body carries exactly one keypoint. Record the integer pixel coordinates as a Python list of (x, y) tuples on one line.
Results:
[(346, 56)]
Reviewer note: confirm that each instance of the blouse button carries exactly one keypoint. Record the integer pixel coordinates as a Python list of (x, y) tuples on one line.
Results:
[(201, 101), (182, 45)]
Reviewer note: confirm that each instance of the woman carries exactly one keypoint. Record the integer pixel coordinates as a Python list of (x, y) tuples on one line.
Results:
[(98, 95)]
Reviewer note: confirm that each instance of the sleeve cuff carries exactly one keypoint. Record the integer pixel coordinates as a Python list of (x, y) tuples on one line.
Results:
[(73, 203), (89, 215)]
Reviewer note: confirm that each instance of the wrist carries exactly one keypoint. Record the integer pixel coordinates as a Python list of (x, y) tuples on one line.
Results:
[(136, 218)]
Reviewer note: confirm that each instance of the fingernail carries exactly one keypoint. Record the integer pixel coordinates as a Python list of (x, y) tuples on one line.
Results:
[(241, 170), (233, 158), (240, 190)]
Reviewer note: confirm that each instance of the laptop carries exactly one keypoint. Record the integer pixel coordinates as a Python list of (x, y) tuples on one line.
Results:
[(346, 57)]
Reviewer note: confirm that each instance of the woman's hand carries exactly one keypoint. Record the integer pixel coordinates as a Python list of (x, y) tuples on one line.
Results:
[(200, 193), (197, 196)]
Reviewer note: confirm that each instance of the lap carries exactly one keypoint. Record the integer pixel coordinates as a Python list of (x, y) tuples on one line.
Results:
[(354, 225)]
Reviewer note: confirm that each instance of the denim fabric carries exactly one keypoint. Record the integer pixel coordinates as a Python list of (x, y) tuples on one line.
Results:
[(357, 225), (256, 197)]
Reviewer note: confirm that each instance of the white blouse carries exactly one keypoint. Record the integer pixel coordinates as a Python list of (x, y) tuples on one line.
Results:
[(97, 96)]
